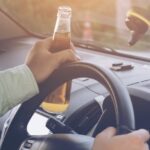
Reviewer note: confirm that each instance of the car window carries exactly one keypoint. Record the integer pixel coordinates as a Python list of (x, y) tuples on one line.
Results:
[(102, 21)]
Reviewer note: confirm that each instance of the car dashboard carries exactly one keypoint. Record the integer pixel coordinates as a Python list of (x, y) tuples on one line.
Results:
[(135, 75)]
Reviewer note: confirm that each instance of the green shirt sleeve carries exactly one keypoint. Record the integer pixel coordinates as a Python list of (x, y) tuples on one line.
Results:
[(16, 86)]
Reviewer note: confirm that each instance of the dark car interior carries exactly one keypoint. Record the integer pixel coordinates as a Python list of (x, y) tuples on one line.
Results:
[(97, 98)]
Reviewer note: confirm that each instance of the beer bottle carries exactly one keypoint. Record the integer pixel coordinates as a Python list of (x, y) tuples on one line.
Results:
[(61, 41)]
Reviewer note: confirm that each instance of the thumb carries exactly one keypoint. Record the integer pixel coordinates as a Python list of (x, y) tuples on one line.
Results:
[(47, 43), (142, 134), (108, 133)]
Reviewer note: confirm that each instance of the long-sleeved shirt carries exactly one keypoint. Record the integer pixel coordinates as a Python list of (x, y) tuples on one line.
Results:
[(16, 86)]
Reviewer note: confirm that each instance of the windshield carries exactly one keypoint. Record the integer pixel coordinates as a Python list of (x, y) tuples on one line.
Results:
[(101, 22)]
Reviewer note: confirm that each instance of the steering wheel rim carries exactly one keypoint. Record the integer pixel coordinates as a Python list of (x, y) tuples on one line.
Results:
[(124, 113)]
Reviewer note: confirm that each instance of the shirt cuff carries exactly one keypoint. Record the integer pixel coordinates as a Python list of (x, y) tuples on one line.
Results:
[(31, 79)]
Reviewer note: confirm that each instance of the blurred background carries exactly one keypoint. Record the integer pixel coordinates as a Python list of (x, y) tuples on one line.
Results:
[(105, 19), (39, 15)]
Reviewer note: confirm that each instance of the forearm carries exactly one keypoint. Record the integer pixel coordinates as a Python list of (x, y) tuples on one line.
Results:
[(16, 86)]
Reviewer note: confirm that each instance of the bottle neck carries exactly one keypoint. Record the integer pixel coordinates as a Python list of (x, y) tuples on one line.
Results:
[(63, 24)]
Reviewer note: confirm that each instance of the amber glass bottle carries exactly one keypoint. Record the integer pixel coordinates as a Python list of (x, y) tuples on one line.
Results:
[(61, 41)]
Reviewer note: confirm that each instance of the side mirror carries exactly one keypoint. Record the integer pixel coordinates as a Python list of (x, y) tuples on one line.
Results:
[(138, 23)]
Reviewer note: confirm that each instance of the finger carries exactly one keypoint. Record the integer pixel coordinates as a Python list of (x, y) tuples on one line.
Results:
[(47, 43), (146, 147), (74, 50), (72, 55), (67, 56), (142, 134), (72, 46), (108, 132)]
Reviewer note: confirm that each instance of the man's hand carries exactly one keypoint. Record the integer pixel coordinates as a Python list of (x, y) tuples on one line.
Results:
[(42, 62), (107, 140)]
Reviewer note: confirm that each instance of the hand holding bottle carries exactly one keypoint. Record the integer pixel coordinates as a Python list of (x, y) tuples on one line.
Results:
[(42, 62)]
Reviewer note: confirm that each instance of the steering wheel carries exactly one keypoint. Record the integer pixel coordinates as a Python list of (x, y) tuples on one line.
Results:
[(16, 132)]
